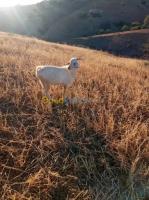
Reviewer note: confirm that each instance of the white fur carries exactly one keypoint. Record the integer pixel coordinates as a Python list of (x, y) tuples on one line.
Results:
[(64, 75)]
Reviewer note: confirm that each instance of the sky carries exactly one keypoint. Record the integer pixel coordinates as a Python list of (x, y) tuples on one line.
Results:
[(7, 3)]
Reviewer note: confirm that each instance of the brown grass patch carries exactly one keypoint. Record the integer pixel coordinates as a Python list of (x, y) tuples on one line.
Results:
[(85, 151)]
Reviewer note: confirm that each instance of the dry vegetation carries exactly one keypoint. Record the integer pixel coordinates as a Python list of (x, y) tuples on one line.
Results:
[(88, 151)]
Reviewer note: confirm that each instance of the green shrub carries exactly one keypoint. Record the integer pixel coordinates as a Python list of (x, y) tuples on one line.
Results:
[(120, 24), (135, 28), (125, 28), (95, 13), (108, 31), (143, 26), (101, 31), (136, 23), (146, 22)]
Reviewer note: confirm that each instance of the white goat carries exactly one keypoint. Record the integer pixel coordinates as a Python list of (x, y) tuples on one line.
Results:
[(64, 75)]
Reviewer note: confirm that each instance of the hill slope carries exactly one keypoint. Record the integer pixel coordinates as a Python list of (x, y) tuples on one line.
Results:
[(129, 43), (60, 20), (83, 151)]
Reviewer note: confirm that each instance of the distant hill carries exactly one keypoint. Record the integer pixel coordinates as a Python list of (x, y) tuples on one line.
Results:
[(129, 43), (61, 20)]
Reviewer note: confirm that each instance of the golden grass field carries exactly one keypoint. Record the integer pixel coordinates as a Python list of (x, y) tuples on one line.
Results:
[(90, 151)]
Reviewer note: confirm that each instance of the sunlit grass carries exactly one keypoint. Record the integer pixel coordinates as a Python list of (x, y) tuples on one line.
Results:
[(91, 151)]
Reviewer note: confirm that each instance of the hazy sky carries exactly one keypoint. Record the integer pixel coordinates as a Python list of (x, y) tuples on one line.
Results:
[(4, 3)]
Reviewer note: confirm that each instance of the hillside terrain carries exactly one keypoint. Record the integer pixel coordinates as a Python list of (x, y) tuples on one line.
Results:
[(129, 43), (60, 20), (86, 151)]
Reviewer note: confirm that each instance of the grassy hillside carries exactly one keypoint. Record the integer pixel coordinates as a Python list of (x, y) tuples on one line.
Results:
[(129, 43), (96, 150), (60, 20)]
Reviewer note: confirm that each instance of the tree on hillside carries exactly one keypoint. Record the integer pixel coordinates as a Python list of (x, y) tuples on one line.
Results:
[(146, 22)]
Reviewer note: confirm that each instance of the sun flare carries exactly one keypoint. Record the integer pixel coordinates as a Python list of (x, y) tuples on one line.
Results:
[(8, 3)]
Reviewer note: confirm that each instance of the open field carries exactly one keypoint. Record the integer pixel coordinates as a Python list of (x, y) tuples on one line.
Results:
[(93, 151)]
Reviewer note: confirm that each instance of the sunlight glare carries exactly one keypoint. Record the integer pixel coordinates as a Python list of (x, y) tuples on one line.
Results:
[(7, 3)]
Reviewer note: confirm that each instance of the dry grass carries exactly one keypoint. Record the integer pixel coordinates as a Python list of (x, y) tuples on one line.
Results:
[(88, 151)]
